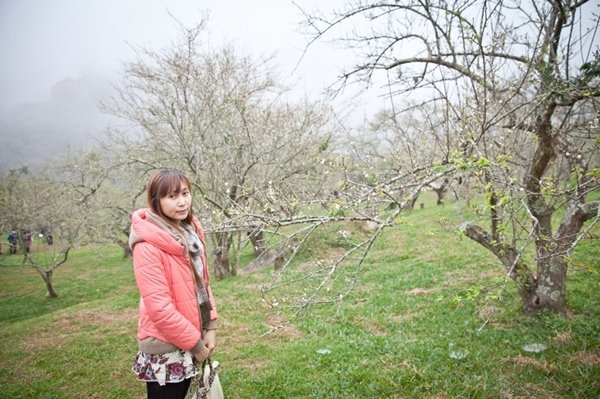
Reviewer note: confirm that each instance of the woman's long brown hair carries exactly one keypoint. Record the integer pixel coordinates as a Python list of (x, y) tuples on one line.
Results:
[(163, 183)]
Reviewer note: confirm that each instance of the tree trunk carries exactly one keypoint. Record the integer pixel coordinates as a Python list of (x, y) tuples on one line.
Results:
[(510, 258), (547, 288), (410, 203), (47, 276), (551, 285), (440, 195), (127, 251), (441, 191), (257, 239), (221, 261), (550, 292), (221, 255)]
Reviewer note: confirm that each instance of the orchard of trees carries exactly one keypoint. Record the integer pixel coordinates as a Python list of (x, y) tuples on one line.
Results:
[(493, 102)]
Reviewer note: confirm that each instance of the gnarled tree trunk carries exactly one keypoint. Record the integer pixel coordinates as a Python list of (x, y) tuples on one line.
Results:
[(221, 255)]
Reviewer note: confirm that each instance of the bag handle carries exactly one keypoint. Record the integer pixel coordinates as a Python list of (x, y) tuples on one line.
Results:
[(202, 391), (212, 373)]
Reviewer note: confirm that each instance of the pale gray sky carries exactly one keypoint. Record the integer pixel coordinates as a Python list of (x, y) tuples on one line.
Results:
[(59, 55), (45, 41)]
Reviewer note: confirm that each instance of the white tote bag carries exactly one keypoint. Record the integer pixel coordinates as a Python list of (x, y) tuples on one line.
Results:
[(207, 385)]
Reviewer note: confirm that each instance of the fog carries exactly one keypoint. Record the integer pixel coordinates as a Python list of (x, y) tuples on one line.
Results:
[(60, 56)]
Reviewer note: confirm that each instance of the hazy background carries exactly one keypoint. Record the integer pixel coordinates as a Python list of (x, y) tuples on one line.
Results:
[(59, 56)]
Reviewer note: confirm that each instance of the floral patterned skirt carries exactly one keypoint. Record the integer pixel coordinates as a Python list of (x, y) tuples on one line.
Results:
[(168, 367)]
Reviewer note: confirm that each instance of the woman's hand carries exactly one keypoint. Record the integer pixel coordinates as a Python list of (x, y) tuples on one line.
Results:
[(207, 345), (210, 340), (203, 353)]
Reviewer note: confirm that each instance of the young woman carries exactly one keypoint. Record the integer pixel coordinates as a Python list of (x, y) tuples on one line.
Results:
[(178, 314)]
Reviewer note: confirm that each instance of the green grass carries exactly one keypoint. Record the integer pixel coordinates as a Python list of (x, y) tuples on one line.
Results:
[(423, 294)]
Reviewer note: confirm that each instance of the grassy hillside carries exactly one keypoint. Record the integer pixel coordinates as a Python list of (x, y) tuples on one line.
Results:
[(431, 317)]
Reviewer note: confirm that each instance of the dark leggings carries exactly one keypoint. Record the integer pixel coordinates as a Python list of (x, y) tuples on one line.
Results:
[(176, 390)]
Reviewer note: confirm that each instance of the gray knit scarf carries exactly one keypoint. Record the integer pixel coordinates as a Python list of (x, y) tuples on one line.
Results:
[(196, 248)]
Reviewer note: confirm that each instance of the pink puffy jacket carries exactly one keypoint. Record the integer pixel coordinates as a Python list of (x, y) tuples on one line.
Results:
[(168, 305)]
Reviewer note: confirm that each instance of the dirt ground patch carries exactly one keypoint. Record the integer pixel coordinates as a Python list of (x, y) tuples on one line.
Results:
[(589, 358), (562, 338), (281, 328), (68, 324), (420, 292), (466, 277), (524, 361)]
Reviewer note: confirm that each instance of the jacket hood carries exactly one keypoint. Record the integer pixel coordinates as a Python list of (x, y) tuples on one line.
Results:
[(148, 227)]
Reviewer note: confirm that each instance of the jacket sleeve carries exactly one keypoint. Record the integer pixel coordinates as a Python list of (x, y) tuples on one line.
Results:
[(154, 289)]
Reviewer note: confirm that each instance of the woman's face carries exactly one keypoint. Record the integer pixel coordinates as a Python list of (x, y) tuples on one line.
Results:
[(176, 206)]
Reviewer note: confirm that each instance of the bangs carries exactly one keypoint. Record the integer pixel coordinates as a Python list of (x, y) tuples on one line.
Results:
[(171, 184)]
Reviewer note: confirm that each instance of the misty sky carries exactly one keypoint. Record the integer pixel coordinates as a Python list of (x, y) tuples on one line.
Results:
[(45, 41), (60, 56)]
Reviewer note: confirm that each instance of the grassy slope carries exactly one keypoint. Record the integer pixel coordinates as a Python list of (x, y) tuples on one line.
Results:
[(424, 297)]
